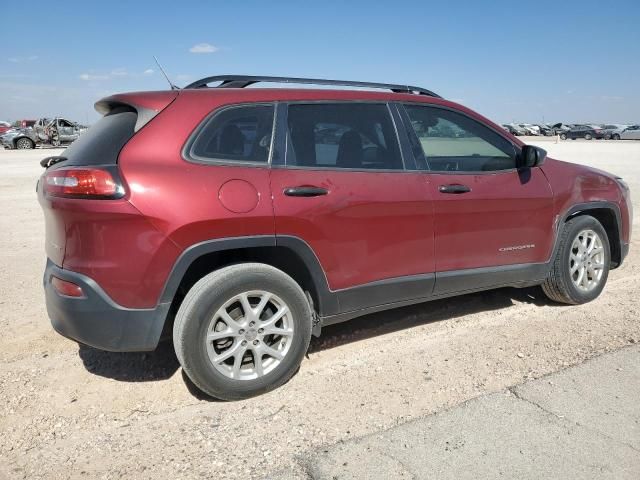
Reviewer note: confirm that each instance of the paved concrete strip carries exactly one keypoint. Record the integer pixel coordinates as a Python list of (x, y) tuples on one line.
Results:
[(581, 423), (602, 394)]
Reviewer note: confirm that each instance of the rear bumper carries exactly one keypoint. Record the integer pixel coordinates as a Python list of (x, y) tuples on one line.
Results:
[(98, 321)]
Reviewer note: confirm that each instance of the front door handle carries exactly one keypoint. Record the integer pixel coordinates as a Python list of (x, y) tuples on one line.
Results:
[(305, 191), (454, 188)]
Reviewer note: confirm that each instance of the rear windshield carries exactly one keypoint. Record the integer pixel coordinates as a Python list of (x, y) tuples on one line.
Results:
[(101, 144)]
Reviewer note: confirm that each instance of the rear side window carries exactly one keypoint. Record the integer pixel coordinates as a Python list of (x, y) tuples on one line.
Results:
[(451, 141), (102, 142), (237, 134), (344, 135)]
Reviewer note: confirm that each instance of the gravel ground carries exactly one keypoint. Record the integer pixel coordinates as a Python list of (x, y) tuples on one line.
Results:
[(70, 411)]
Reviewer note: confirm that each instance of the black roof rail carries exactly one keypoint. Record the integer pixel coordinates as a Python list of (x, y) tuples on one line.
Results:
[(242, 81)]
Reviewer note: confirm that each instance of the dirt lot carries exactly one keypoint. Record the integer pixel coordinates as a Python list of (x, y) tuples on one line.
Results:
[(69, 411)]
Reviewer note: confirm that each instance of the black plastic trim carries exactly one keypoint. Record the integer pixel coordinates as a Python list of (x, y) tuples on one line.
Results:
[(390, 290), (598, 205), (460, 281), (96, 320)]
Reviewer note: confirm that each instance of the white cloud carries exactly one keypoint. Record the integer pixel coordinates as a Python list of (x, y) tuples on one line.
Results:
[(88, 76), (148, 71), (203, 48), (119, 72)]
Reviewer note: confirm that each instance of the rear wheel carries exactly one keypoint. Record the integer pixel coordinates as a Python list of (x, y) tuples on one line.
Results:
[(581, 267), (588, 136), (563, 136), (242, 330), (615, 136), (25, 144)]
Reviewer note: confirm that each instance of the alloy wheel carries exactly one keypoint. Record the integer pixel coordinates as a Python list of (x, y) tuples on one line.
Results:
[(23, 144), (586, 260), (250, 335)]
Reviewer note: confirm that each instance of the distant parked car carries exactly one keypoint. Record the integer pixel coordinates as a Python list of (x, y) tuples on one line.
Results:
[(4, 126), (544, 129), (19, 138), (514, 129), (57, 131), (559, 128), (530, 129), (587, 132), (631, 133), (613, 131)]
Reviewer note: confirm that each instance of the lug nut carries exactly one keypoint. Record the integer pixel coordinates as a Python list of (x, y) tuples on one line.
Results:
[(241, 331), (244, 342), (260, 330), (255, 342), (251, 324)]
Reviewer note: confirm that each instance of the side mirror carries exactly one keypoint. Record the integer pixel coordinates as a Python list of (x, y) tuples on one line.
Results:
[(530, 157)]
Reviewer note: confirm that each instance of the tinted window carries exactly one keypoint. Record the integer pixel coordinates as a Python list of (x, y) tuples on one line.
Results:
[(347, 135), (101, 144), (452, 141), (237, 134)]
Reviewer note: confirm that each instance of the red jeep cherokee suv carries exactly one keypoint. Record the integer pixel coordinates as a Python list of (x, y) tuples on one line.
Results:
[(241, 220)]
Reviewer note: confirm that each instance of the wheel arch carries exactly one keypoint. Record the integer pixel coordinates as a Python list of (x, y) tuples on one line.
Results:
[(17, 139), (290, 254), (608, 214)]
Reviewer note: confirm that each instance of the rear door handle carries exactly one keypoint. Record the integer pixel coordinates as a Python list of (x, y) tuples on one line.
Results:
[(305, 191), (454, 188)]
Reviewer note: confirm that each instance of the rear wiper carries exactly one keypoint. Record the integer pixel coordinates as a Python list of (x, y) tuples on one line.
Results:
[(49, 161)]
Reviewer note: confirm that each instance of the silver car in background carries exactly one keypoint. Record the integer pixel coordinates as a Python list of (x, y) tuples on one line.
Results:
[(630, 133), (57, 131)]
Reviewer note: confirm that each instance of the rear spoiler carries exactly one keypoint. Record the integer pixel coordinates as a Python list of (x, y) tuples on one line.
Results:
[(146, 104)]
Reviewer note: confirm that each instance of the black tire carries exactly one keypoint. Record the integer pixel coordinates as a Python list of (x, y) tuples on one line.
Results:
[(558, 285), (563, 136), (615, 136), (206, 297), (588, 136), (25, 144)]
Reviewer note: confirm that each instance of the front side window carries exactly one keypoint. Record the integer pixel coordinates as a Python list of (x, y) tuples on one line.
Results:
[(239, 134), (451, 141), (344, 135)]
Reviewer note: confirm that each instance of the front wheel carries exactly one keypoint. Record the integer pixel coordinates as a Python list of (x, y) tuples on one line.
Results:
[(242, 331), (563, 136), (588, 136), (580, 269), (615, 136)]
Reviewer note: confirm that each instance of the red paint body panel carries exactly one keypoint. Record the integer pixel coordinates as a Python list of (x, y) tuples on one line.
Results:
[(370, 226), (111, 242), (155, 101), (502, 210), (573, 184), (182, 198)]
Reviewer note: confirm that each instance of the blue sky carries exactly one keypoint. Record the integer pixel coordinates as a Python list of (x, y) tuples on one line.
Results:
[(525, 61)]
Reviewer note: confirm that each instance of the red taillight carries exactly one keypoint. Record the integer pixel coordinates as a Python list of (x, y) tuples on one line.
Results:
[(68, 289), (81, 182)]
